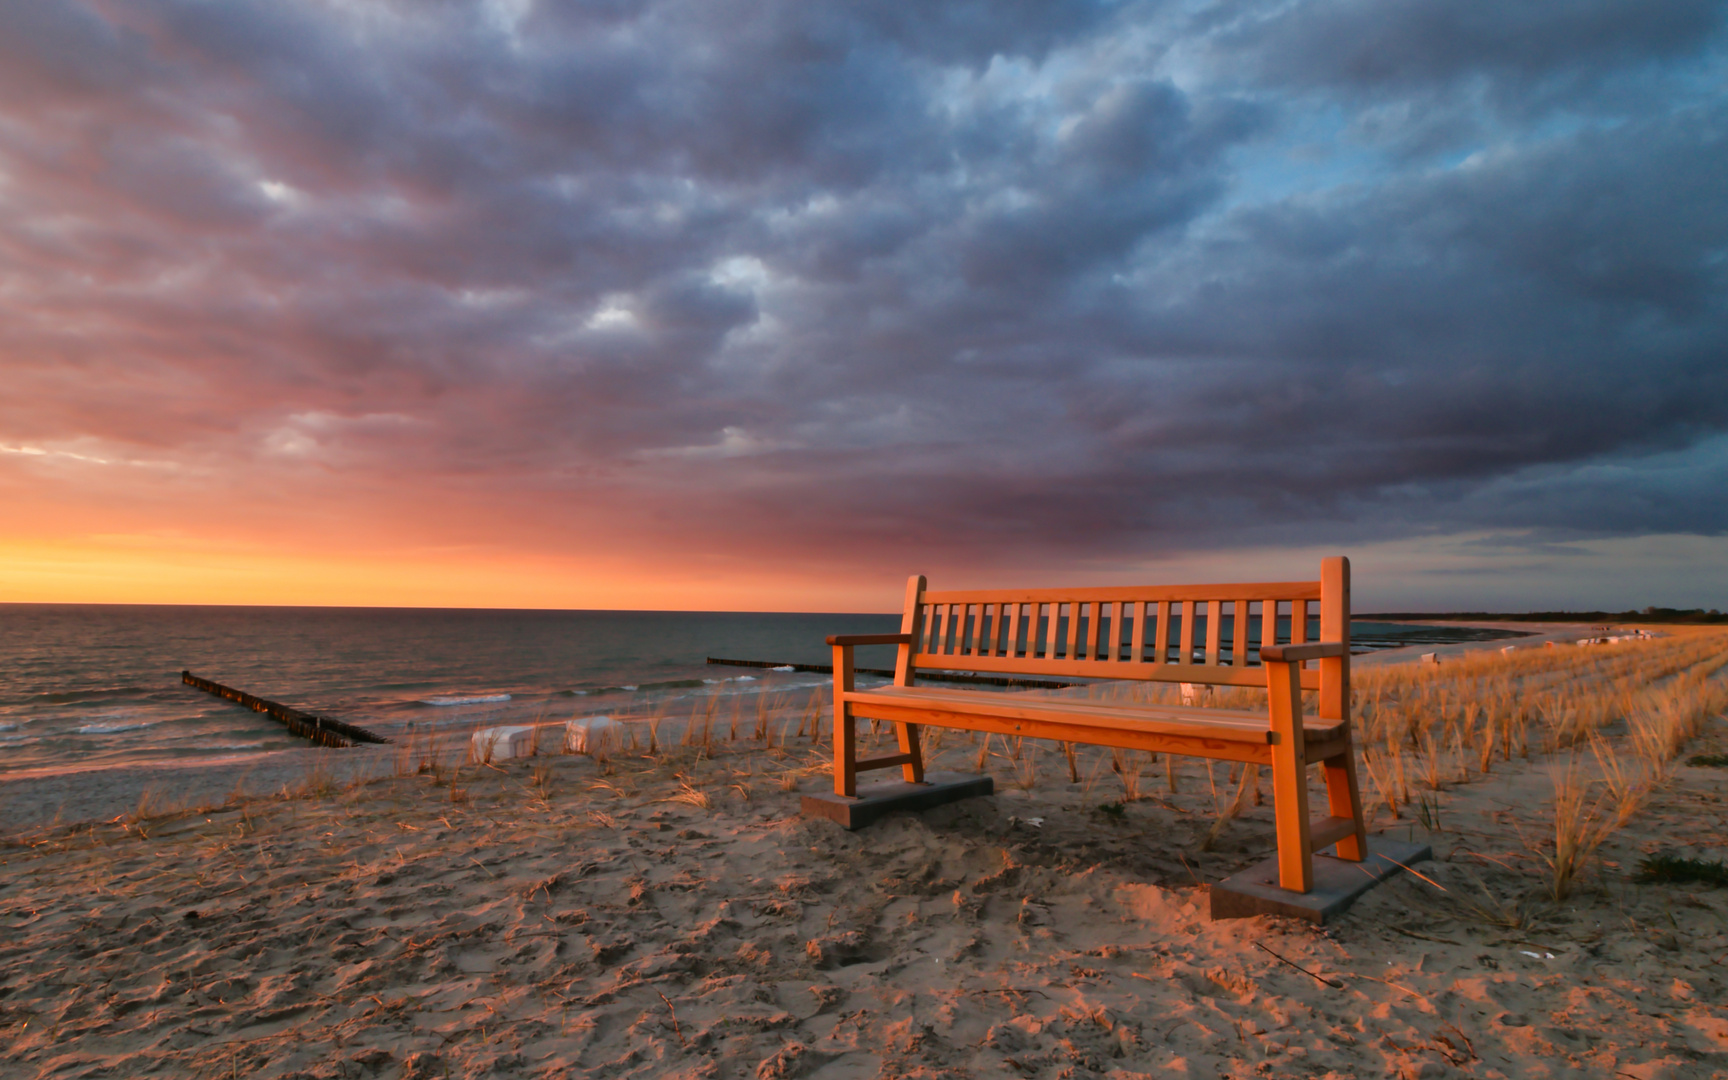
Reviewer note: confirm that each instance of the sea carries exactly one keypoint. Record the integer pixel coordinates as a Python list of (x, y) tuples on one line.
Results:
[(97, 686)]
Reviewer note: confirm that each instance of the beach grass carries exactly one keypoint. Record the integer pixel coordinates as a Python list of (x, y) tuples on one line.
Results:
[(430, 915)]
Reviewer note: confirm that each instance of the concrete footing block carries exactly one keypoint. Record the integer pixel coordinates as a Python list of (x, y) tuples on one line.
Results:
[(1337, 883), (881, 797)]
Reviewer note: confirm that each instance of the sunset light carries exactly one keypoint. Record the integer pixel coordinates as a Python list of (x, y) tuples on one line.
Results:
[(548, 305), (823, 539)]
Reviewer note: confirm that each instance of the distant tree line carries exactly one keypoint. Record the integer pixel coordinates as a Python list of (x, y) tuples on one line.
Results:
[(1648, 615)]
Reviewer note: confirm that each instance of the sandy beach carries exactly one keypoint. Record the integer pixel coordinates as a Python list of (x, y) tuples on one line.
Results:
[(644, 424), (673, 915)]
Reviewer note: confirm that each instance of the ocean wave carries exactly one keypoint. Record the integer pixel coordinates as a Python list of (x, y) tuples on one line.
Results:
[(633, 688), (783, 667), (477, 699), (72, 697), (109, 729), (8, 727)]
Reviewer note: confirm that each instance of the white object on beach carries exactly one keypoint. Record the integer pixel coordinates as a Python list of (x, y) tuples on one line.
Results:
[(498, 743), (586, 734), (1196, 693), (1508, 649), (1430, 658)]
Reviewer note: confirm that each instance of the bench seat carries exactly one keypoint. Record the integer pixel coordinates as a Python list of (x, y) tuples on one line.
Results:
[(1257, 634), (1196, 731)]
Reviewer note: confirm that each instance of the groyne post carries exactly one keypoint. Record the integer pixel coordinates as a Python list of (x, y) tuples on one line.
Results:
[(317, 729)]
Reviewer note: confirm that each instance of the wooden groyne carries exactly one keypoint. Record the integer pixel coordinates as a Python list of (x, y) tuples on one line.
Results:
[(923, 676), (320, 730)]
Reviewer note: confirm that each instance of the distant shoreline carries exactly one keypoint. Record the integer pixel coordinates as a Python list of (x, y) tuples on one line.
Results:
[(1656, 616)]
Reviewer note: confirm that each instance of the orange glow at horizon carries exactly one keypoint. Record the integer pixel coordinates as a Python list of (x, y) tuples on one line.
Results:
[(676, 314), (152, 570), (71, 532)]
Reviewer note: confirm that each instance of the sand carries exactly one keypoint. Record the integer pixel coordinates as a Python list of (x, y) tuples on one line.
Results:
[(40, 797), (676, 917)]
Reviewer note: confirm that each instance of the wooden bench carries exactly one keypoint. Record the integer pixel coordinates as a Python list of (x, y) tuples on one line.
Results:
[(1249, 635)]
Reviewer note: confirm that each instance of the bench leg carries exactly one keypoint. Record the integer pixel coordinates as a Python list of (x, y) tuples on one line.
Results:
[(845, 727), (913, 770), (1344, 800), (1289, 777), (845, 752)]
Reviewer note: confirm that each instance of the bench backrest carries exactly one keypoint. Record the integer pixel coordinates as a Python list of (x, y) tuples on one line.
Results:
[(1169, 633)]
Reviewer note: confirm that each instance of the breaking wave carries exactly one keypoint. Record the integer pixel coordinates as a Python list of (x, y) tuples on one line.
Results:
[(478, 699)]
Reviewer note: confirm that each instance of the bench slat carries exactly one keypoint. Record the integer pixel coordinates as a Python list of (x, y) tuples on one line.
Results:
[(998, 699), (1185, 644), (1217, 723), (1283, 590), (1220, 674), (1161, 635), (1137, 646), (1214, 629), (1190, 740), (1316, 729), (1239, 623)]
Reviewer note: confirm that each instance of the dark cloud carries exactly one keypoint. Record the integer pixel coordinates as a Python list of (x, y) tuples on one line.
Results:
[(62, 54), (1373, 44), (1070, 280)]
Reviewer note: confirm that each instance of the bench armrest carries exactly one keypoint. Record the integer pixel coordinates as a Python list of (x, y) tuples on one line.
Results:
[(869, 639), (1295, 654)]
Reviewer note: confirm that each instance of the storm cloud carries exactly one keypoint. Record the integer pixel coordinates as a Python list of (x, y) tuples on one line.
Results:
[(919, 284)]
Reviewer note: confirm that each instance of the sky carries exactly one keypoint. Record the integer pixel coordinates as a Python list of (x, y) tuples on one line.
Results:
[(702, 304)]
